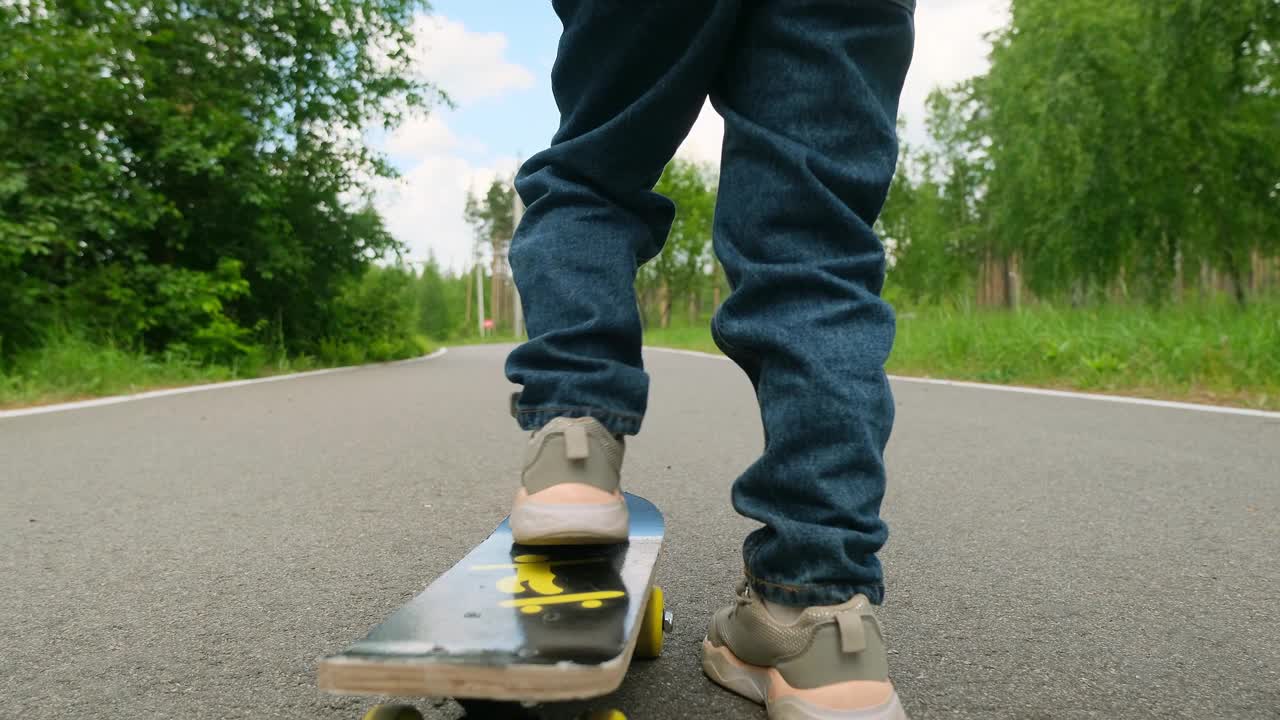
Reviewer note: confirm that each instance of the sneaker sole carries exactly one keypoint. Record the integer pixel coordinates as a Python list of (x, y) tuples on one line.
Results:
[(756, 684), (534, 523)]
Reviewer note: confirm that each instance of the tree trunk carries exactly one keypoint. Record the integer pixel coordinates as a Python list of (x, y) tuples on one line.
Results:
[(1120, 290), (1013, 277), (1239, 285), (1258, 275), (664, 306), (695, 306), (984, 279), (997, 281), (715, 286), (495, 285), (1077, 292), (644, 302), (1179, 278)]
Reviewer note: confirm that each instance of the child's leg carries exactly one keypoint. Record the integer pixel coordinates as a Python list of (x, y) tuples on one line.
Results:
[(810, 95), (630, 79)]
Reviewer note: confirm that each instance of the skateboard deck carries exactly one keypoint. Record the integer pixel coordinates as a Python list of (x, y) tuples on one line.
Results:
[(517, 622)]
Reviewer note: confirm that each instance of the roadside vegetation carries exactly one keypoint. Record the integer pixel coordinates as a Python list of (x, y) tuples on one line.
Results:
[(1209, 353), (186, 196), (185, 192)]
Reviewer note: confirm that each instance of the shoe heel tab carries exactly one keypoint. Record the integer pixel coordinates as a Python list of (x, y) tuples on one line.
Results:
[(853, 634), (576, 446)]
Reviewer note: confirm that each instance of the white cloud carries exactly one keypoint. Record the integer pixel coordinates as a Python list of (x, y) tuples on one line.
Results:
[(470, 66), (424, 207), (950, 47), (703, 143), (421, 136)]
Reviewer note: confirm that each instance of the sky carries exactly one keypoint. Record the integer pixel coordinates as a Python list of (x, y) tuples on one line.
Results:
[(494, 59)]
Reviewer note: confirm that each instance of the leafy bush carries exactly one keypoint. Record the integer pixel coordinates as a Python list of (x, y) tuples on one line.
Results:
[(375, 318), (161, 307)]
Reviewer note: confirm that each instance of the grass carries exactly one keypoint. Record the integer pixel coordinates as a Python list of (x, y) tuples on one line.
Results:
[(1212, 353), (68, 367), (495, 338)]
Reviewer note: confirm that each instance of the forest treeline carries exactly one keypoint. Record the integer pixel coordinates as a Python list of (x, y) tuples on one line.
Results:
[(190, 176)]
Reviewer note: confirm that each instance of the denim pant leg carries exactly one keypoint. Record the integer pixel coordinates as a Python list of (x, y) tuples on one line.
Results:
[(629, 79), (809, 94)]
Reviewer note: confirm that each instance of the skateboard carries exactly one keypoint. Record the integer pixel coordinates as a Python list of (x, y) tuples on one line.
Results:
[(514, 625)]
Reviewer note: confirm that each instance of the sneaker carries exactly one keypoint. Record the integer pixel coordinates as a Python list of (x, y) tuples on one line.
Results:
[(569, 492), (820, 663)]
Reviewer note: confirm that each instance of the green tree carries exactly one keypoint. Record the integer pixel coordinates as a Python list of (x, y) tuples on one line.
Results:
[(1113, 148), (492, 218), (1216, 100), (374, 318), (1125, 138), (491, 215), (931, 220), (683, 268), (437, 315), (149, 139)]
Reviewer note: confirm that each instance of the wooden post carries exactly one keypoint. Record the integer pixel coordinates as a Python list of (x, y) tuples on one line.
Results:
[(981, 285), (517, 310), (1179, 277), (471, 278), (1014, 278), (715, 285), (1257, 272), (479, 283), (495, 282)]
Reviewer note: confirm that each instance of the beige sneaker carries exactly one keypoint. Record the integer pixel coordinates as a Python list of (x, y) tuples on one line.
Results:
[(822, 663), (570, 488)]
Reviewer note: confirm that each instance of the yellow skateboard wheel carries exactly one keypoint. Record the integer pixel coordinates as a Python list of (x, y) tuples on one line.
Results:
[(649, 644), (392, 712), (605, 715)]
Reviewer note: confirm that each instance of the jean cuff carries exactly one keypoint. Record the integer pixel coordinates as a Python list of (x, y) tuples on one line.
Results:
[(811, 595), (615, 422)]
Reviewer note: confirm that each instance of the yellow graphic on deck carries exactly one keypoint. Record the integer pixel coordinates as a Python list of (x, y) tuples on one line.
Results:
[(533, 605), (534, 574)]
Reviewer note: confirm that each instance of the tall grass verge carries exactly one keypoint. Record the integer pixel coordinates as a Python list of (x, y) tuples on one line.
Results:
[(1208, 352)]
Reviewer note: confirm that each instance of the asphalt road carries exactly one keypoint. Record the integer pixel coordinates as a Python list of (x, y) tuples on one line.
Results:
[(192, 556)]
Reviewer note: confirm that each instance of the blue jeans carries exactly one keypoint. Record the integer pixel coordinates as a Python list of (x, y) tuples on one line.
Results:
[(809, 93)]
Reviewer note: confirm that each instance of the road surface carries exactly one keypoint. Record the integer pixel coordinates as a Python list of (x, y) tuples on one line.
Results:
[(193, 555)]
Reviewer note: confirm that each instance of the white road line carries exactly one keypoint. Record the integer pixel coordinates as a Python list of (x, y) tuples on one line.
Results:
[(1197, 407), (117, 399)]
